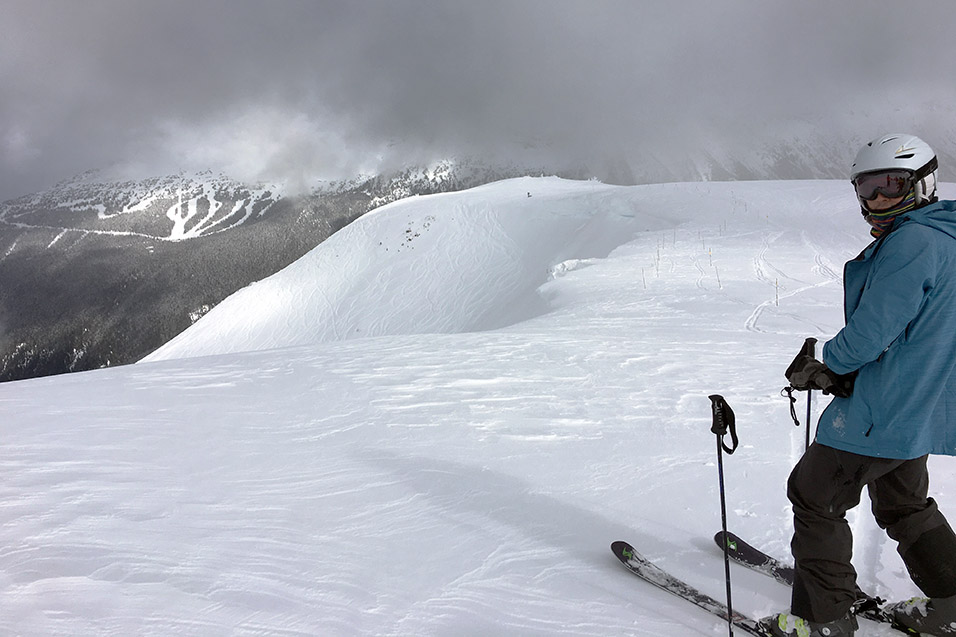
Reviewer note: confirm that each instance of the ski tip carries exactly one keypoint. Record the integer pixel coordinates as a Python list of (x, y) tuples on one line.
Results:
[(622, 550), (727, 539)]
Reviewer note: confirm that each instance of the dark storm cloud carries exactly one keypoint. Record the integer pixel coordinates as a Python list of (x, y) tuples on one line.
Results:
[(321, 88)]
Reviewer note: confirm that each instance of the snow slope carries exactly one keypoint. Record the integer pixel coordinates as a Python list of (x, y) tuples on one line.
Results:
[(437, 421), (441, 264)]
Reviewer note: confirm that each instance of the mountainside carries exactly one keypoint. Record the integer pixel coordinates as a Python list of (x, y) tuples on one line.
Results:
[(98, 272), (530, 384), (172, 208)]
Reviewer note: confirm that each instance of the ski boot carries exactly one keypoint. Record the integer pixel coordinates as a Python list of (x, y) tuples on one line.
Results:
[(787, 625), (936, 616)]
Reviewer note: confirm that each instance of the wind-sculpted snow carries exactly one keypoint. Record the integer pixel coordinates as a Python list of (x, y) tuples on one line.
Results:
[(401, 481)]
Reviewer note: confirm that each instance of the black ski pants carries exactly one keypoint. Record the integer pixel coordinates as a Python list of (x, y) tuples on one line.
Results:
[(824, 485)]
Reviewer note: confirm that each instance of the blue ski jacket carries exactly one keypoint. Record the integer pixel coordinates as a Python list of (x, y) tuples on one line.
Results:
[(900, 338)]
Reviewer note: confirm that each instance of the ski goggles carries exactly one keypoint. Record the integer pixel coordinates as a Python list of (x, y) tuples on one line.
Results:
[(889, 183)]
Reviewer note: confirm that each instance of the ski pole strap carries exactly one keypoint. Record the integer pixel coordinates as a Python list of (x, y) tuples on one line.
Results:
[(723, 422), (788, 392)]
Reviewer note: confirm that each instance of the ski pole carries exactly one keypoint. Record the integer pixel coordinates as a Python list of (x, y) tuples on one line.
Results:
[(810, 347), (723, 422)]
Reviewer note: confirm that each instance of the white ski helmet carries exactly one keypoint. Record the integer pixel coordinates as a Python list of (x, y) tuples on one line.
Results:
[(899, 152)]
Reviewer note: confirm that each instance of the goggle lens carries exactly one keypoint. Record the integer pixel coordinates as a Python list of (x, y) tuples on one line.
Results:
[(891, 183)]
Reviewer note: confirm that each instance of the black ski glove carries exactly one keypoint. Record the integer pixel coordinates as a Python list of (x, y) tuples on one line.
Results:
[(805, 372)]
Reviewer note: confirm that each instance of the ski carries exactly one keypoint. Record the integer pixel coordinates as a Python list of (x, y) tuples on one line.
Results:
[(866, 606), (652, 574)]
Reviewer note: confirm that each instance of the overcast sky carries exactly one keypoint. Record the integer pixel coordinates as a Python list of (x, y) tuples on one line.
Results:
[(296, 89)]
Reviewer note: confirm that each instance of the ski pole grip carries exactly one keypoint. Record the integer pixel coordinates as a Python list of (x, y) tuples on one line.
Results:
[(809, 347), (723, 415), (723, 421)]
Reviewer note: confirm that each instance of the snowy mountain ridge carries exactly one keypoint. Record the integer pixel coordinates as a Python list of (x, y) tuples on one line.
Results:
[(440, 251), (102, 269)]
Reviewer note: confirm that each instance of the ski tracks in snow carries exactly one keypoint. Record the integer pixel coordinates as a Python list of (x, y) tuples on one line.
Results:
[(787, 284)]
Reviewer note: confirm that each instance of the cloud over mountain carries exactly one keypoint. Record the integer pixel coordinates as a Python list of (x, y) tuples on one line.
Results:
[(330, 89)]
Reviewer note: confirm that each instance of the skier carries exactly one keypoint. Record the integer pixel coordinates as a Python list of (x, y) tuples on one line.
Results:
[(892, 372)]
